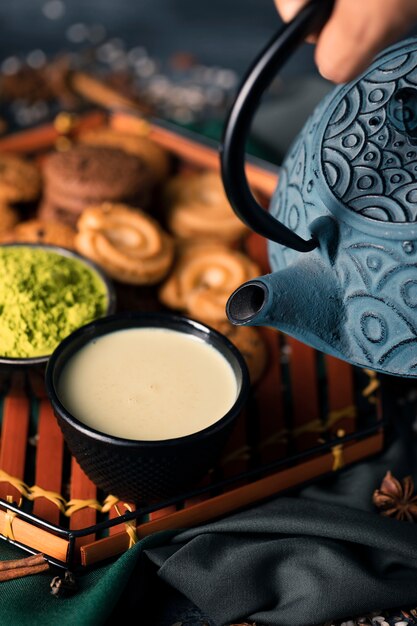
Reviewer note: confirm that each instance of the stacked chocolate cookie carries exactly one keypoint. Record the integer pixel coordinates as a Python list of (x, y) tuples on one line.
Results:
[(158, 160), (87, 175)]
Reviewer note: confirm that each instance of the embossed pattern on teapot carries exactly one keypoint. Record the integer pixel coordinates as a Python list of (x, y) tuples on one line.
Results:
[(366, 177)]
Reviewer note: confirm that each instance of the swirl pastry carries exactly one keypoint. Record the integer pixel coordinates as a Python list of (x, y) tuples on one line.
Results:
[(127, 243), (197, 206), (203, 279)]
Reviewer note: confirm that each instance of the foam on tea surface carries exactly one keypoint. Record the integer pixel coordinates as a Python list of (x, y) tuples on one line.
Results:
[(148, 384)]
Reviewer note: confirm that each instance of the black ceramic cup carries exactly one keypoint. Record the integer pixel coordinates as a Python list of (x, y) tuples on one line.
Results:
[(145, 471)]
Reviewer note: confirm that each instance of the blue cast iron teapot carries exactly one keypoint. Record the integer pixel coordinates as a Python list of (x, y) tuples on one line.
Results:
[(342, 223)]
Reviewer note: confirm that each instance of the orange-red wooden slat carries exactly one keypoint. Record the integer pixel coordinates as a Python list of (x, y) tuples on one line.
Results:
[(163, 512), (49, 461), (269, 392), (43, 137), (304, 393), (256, 248), (14, 434), (269, 400), (340, 394), (235, 456), (82, 488)]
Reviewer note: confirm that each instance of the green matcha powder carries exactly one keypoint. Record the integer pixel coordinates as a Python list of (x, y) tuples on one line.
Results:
[(44, 296)]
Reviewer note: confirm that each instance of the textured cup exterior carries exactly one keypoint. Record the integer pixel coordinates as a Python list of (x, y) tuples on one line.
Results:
[(142, 473)]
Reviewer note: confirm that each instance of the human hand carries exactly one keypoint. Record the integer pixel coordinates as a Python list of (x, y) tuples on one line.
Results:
[(355, 32)]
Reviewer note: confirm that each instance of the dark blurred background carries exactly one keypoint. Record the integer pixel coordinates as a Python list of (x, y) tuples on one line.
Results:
[(187, 57), (219, 32)]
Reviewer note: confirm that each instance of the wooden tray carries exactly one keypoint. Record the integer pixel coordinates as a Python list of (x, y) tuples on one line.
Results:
[(308, 416)]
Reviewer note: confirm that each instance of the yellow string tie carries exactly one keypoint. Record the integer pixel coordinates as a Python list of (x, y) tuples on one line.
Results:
[(8, 520), (373, 385), (15, 482), (238, 454), (279, 437), (130, 525), (64, 122), (68, 508), (317, 426), (52, 496), (335, 416), (76, 504), (108, 503), (338, 460)]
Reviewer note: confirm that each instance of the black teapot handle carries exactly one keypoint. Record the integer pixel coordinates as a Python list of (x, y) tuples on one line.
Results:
[(232, 150)]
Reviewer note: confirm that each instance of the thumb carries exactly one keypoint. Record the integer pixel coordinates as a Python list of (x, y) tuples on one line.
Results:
[(356, 31), (289, 8)]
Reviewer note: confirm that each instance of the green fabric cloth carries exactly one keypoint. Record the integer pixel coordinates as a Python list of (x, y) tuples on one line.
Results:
[(28, 601), (293, 563)]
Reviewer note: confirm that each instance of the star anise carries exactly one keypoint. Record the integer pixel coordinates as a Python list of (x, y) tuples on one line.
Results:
[(396, 499), (63, 586)]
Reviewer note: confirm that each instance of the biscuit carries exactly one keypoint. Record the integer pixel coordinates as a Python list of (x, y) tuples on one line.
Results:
[(128, 244), (70, 204), (250, 343), (70, 207), (51, 213), (41, 231), (20, 180), (203, 278), (8, 217), (156, 157), (91, 174), (197, 206)]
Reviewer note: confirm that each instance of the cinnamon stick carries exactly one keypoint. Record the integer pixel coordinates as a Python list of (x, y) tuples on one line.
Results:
[(98, 92), (17, 568)]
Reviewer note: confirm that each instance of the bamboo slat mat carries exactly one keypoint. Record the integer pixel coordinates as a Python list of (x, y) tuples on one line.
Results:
[(308, 415)]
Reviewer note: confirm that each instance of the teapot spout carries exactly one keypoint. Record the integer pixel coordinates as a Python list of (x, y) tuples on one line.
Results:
[(303, 300)]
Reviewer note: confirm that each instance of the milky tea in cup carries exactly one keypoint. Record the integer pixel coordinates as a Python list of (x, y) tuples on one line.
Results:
[(148, 384), (146, 401)]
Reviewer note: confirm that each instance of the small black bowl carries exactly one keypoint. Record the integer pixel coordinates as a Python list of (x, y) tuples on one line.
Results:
[(135, 470), (11, 363)]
